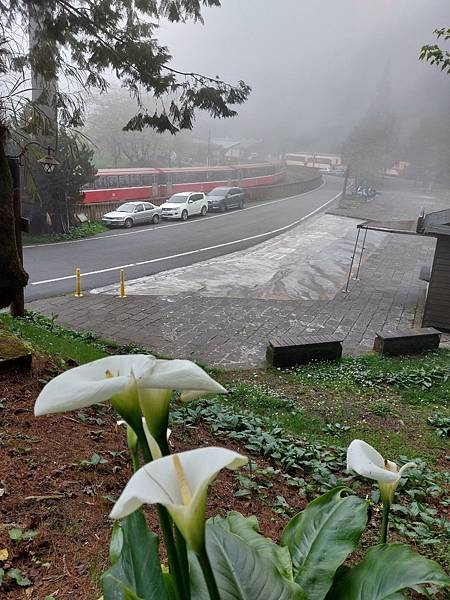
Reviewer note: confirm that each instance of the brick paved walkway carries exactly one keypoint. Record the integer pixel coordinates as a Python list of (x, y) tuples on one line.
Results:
[(233, 332)]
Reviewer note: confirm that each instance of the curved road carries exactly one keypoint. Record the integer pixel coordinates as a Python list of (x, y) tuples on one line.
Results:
[(153, 248)]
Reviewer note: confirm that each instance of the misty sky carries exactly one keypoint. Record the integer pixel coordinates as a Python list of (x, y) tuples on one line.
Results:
[(313, 66)]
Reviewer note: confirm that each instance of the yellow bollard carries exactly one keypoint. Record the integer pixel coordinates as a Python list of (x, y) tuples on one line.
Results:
[(122, 293), (78, 292)]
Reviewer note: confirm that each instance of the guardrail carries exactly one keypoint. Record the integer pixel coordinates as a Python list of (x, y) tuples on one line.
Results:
[(95, 211)]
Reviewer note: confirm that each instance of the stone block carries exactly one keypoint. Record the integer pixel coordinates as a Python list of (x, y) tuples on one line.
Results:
[(407, 341), (289, 351)]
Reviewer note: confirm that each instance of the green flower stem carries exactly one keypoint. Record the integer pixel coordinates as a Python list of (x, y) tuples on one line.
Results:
[(167, 531), (172, 556), (385, 522), (164, 445), (208, 575), (183, 559)]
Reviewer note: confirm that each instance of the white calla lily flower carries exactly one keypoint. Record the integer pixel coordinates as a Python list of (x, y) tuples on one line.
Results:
[(368, 462), (94, 382), (180, 483)]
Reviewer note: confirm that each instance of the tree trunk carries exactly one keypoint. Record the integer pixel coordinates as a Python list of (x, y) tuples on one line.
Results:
[(13, 277)]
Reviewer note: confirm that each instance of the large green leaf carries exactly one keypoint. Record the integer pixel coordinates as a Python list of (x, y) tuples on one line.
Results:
[(386, 570), (247, 528), (321, 537), (136, 573), (240, 572)]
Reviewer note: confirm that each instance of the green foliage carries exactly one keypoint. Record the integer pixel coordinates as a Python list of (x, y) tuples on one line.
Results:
[(417, 380), (332, 521), (241, 571), (386, 570), (247, 529), (135, 573), (14, 575), (435, 55), (19, 535), (75, 233), (442, 425)]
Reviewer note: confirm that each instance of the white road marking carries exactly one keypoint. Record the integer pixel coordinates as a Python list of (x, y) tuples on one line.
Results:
[(148, 229), (197, 251)]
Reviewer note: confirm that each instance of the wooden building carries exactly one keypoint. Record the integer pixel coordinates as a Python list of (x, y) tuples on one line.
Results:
[(437, 305)]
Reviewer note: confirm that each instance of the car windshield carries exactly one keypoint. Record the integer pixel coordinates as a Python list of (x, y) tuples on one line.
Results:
[(128, 207), (179, 198), (219, 192)]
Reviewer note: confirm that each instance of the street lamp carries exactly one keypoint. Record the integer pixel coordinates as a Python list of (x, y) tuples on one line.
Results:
[(48, 163)]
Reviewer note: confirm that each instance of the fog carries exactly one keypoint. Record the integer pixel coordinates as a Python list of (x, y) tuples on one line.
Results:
[(314, 66)]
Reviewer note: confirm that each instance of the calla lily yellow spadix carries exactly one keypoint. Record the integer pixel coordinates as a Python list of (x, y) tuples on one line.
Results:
[(368, 462), (180, 483)]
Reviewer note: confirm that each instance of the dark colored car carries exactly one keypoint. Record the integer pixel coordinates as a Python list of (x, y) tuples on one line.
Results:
[(224, 198)]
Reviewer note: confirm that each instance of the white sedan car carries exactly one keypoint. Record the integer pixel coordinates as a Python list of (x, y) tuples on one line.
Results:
[(184, 205)]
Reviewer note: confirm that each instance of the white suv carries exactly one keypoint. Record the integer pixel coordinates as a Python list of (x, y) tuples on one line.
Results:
[(184, 205)]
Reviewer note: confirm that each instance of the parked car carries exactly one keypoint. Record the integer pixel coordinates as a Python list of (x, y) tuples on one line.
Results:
[(223, 198), (132, 213), (184, 205)]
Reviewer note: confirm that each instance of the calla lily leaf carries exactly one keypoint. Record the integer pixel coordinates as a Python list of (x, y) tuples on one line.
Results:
[(136, 573), (322, 536), (385, 571), (247, 529), (241, 572), (180, 483)]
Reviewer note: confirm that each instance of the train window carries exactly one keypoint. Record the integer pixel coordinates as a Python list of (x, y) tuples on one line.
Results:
[(147, 179), (162, 178), (135, 180), (124, 181), (112, 181)]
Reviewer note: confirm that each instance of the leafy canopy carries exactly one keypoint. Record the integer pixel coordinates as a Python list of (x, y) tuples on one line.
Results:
[(434, 54), (79, 43)]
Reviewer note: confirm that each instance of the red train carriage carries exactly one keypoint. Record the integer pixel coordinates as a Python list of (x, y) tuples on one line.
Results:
[(149, 183)]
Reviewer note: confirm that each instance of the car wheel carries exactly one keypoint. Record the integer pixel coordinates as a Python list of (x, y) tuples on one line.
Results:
[(184, 215), (223, 207), (155, 219), (203, 211), (128, 223)]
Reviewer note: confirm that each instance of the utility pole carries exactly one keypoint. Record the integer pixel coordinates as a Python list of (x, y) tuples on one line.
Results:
[(347, 173), (209, 149)]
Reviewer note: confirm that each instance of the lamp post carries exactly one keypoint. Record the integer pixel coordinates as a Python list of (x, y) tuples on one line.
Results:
[(48, 163)]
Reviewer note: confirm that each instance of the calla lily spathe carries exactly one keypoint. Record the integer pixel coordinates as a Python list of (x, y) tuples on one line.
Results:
[(368, 462), (180, 483), (94, 382), (103, 379)]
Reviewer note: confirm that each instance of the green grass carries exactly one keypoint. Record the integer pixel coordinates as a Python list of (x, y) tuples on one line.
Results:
[(62, 346), (75, 233)]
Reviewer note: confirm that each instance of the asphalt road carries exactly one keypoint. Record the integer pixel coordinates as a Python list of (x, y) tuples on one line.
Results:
[(150, 249)]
